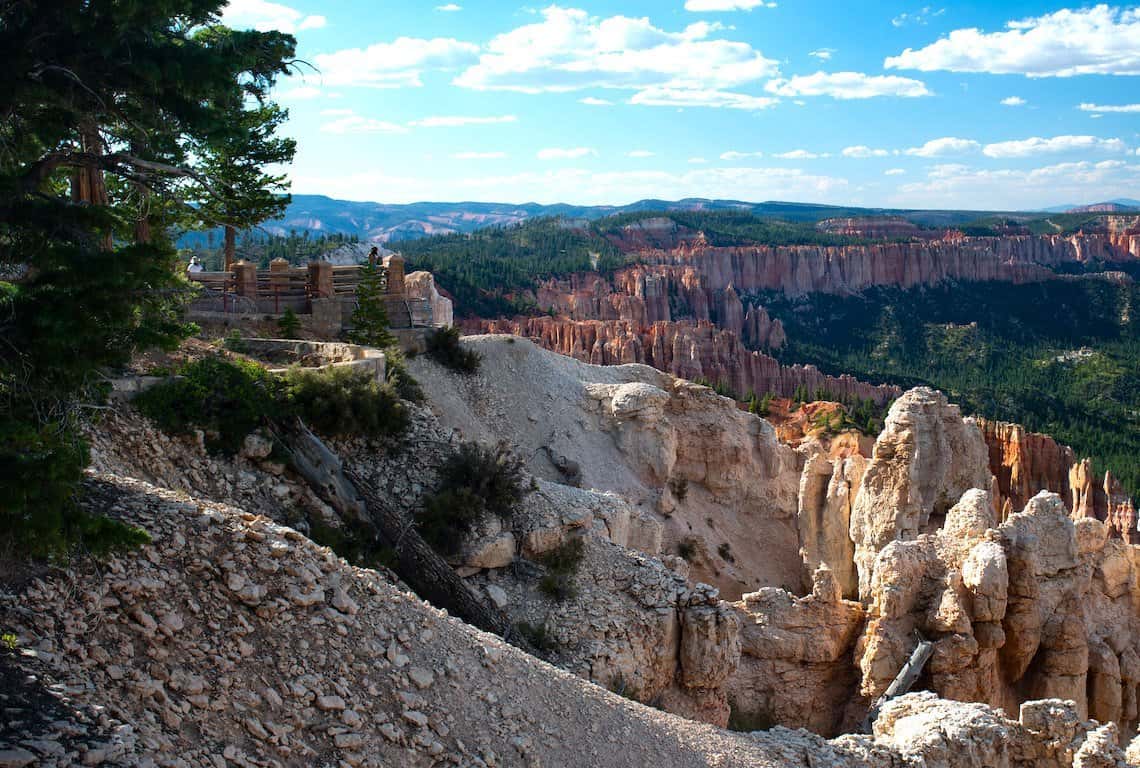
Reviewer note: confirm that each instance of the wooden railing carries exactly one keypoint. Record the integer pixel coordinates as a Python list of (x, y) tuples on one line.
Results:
[(248, 290)]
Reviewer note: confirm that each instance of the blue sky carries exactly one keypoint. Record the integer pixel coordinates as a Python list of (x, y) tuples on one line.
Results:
[(967, 105)]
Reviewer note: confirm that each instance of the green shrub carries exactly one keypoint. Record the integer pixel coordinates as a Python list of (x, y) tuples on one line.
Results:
[(289, 324), (354, 543), (558, 586), (443, 346), (561, 563), (345, 401), (680, 488), (538, 636), (474, 482), (40, 474), (747, 722), (233, 341), (687, 548), (494, 475), (725, 552), (448, 517), (227, 399), (565, 558), (400, 377)]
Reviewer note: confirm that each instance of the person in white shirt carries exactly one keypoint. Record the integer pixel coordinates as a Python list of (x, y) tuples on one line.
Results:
[(195, 265)]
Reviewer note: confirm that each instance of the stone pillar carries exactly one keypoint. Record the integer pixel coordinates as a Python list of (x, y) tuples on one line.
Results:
[(245, 279), (278, 281), (395, 266), (279, 274), (320, 280)]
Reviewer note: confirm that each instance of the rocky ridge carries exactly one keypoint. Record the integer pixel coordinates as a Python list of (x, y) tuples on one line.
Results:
[(233, 641), (1038, 605)]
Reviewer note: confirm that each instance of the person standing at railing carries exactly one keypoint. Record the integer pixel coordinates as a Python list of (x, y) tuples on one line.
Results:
[(373, 256), (194, 265)]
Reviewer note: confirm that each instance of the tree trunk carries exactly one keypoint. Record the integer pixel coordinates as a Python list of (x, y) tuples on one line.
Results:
[(230, 246), (419, 565), (87, 183)]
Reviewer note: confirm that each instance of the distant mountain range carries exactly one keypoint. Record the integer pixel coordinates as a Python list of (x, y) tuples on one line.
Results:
[(387, 223), (1108, 206)]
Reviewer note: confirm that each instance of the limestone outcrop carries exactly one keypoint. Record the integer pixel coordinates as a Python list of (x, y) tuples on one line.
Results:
[(421, 286), (795, 665), (1038, 606), (722, 486), (925, 459)]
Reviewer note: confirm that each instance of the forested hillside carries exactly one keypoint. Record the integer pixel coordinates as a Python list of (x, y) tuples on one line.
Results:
[(1060, 357), (486, 270)]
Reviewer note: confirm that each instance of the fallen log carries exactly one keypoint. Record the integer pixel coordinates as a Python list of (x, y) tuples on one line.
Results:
[(418, 565), (903, 681)]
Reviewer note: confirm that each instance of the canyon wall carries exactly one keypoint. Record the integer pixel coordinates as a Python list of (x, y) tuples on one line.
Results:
[(1024, 463), (683, 349), (685, 307)]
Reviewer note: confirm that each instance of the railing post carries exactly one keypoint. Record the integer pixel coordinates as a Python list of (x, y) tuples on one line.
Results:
[(395, 266), (245, 279), (278, 281), (320, 280)]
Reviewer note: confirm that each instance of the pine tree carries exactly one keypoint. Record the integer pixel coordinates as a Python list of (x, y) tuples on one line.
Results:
[(101, 109), (370, 318), (234, 161)]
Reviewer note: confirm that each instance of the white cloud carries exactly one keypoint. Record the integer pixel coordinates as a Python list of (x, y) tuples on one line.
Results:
[(1109, 108), (449, 8), (944, 146), (861, 151), (1013, 101), (641, 153), (1007, 189), (594, 101), (894, 172), (453, 121), (922, 17), (1039, 146), (479, 155), (697, 161), (823, 54), (564, 154), (578, 185), (570, 50), (397, 64), (847, 85), (801, 154), (733, 155), (679, 97), (264, 16), (1093, 40), (727, 5), (359, 124)]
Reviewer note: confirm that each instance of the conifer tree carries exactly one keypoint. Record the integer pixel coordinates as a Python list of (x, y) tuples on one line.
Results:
[(370, 318), (235, 161), (101, 108)]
